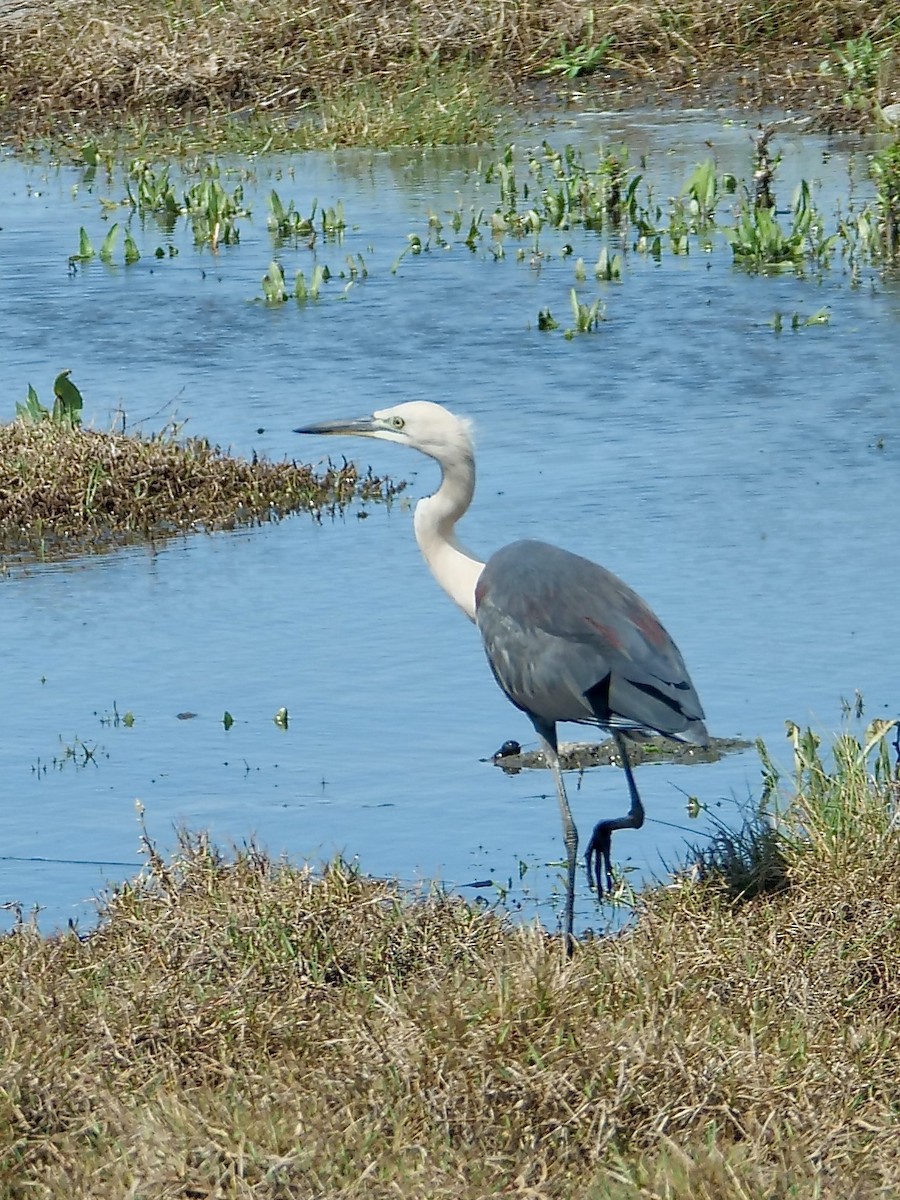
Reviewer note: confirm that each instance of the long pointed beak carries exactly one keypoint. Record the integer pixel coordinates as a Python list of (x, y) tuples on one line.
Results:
[(351, 425)]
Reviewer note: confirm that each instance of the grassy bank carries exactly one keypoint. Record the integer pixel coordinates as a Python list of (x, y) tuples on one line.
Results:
[(244, 1028), (66, 490), (344, 72)]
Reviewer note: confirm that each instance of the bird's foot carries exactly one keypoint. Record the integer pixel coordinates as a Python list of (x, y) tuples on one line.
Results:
[(597, 856)]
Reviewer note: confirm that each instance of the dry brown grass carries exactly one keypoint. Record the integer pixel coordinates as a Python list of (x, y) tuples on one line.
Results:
[(244, 1028), (167, 59), (65, 491)]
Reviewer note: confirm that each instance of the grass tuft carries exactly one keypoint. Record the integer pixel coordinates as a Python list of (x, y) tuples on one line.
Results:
[(72, 491)]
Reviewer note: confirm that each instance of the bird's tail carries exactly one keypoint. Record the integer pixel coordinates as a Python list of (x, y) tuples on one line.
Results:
[(696, 734)]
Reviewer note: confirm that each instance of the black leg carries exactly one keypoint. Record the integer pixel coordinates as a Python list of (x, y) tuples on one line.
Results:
[(597, 855)]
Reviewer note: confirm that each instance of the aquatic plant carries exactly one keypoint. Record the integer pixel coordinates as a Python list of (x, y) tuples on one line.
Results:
[(587, 317), (273, 285), (212, 210), (109, 243), (759, 242), (566, 192), (504, 172), (573, 193), (356, 268), (68, 404), (304, 291), (333, 223), (287, 223), (114, 719), (608, 267), (563, 192), (414, 245), (703, 191), (151, 192), (86, 251), (77, 752), (132, 254), (885, 170), (506, 217), (821, 317)]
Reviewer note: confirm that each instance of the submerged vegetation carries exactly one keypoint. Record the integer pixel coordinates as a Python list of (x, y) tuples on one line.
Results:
[(345, 73), (242, 1027), (69, 490), (538, 204), (550, 203)]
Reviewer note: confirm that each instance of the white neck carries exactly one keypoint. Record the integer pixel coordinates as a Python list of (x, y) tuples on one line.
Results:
[(455, 569)]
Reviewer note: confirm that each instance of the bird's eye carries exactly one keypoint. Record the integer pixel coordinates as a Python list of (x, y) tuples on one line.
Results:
[(397, 422)]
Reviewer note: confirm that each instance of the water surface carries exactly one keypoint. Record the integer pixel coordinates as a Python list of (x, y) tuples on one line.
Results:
[(744, 482)]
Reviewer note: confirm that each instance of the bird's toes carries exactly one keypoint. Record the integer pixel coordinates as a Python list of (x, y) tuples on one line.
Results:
[(597, 858)]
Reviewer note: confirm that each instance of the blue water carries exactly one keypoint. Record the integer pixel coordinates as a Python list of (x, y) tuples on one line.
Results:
[(744, 482)]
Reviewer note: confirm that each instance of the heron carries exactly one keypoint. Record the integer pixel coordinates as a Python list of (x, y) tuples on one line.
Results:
[(566, 639)]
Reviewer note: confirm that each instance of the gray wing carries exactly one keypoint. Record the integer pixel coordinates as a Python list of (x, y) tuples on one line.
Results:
[(569, 641)]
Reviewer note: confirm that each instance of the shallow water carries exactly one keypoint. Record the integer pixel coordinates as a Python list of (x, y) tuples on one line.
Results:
[(744, 482)]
